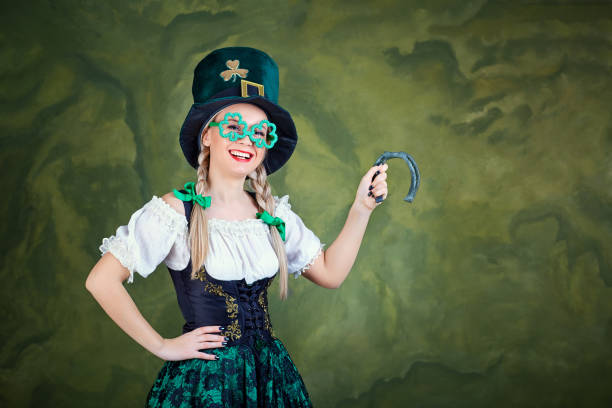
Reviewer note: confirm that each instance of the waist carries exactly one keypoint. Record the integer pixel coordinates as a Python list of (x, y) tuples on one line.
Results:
[(241, 309), (246, 320)]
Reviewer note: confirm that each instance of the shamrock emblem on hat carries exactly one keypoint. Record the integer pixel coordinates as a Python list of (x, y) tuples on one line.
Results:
[(233, 71)]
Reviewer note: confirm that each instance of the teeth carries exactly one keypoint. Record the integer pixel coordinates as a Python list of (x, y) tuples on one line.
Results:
[(240, 154)]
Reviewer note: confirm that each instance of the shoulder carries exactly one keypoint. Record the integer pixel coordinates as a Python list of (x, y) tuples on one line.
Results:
[(282, 205), (174, 203)]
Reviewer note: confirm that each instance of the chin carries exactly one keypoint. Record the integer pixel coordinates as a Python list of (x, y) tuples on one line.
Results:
[(246, 167), (244, 171)]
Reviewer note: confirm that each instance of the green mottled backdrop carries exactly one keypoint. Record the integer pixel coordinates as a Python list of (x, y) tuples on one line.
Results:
[(494, 288)]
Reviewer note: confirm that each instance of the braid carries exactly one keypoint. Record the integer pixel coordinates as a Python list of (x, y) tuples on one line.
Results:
[(263, 196), (198, 232), (203, 159), (262, 189)]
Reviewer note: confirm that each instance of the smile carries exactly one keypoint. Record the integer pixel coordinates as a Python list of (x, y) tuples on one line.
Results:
[(240, 155)]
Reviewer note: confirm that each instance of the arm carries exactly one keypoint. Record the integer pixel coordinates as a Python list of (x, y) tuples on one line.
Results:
[(332, 268), (105, 283)]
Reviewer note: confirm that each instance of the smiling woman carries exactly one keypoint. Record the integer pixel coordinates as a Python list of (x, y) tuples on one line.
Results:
[(223, 246)]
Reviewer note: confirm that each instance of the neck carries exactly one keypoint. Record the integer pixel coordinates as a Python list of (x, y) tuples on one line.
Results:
[(224, 188)]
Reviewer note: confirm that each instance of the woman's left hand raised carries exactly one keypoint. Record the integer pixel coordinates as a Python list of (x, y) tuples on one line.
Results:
[(368, 190)]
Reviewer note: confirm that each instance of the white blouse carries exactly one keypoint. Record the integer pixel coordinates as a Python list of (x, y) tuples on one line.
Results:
[(156, 233)]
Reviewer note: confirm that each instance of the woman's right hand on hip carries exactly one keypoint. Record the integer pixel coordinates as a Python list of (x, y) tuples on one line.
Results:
[(189, 344)]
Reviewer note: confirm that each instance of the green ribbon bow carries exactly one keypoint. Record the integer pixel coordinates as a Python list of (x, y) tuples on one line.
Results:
[(191, 195), (275, 221)]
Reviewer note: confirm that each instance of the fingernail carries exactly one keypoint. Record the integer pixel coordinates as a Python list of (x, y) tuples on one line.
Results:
[(216, 357), (369, 194), (221, 328), (371, 187), (226, 338), (224, 343), (377, 172)]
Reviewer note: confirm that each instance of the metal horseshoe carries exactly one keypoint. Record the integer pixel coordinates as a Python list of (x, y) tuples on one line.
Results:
[(415, 178)]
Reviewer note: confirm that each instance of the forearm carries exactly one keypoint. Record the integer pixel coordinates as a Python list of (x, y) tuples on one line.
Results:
[(331, 269), (341, 254), (118, 304)]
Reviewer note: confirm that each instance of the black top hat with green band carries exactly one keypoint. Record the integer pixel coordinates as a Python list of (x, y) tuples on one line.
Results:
[(237, 75)]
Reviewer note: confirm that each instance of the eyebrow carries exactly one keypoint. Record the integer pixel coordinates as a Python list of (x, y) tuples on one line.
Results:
[(248, 126)]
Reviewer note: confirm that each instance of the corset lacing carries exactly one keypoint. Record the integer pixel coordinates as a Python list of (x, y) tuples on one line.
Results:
[(252, 302)]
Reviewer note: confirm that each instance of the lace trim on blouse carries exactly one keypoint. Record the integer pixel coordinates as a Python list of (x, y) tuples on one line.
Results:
[(249, 226), (312, 260), (237, 227), (168, 216), (126, 250), (121, 249), (282, 206)]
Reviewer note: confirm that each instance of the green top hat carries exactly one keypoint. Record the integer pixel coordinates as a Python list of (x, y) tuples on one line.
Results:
[(237, 75)]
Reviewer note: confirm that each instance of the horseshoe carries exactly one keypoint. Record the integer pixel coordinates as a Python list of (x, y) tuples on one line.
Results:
[(415, 178)]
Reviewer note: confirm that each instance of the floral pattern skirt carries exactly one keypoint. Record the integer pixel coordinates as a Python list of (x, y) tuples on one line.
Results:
[(261, 375)]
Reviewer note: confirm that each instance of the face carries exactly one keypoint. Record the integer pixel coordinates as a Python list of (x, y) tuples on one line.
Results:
[(235, 156)]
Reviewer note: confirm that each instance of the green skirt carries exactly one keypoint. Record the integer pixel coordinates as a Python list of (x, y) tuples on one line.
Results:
[(262, 375)]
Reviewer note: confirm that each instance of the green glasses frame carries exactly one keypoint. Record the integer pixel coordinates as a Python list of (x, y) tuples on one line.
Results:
[(233, 135)]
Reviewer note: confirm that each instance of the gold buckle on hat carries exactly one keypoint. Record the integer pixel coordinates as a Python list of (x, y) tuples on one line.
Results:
[(244, 88)]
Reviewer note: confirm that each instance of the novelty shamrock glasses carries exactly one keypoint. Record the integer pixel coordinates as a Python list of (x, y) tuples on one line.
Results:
[(233, 127)]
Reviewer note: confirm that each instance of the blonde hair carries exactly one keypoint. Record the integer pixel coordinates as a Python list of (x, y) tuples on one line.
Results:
[(198, 230)]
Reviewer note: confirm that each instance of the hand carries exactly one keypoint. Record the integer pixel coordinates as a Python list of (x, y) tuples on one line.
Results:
[(379, 187), (188, 345)]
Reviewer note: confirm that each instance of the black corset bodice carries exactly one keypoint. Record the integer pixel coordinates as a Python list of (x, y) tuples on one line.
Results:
[(242, 309)]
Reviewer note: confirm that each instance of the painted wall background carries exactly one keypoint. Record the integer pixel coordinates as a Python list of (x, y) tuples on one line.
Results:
[(492, 289)]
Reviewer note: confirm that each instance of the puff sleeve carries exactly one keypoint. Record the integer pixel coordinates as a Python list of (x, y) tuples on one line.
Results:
[(302, 246), (155, 233)]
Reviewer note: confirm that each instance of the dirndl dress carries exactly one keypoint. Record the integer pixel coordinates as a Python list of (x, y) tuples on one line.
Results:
[(254, 369)]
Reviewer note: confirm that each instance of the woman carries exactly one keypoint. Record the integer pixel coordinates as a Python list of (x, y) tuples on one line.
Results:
[(224, 245)]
